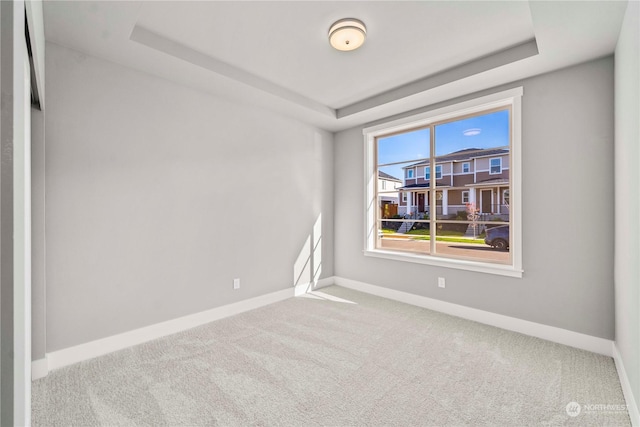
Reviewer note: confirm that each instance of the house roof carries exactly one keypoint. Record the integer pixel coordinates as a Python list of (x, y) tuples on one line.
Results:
[(465, 154), (387, 176)]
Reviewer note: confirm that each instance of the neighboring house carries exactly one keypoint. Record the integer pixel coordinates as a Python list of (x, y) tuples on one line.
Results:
[(473, 175), (388, 194)]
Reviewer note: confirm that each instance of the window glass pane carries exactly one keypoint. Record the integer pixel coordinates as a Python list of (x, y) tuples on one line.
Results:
[(404, 235), (460, 192), (468, 241), (479, 145), (404, 147), (496, 166), (479, 132)]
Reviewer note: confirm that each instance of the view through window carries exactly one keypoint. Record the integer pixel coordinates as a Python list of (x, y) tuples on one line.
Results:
[(462, 210)]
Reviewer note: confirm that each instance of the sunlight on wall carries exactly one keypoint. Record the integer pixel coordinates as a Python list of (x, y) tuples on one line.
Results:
[(316, 260), (308, 266), (302, 266)]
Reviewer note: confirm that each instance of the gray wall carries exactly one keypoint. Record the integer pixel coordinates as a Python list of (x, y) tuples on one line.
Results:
[(159, 195), (627, 191), (567, 152)]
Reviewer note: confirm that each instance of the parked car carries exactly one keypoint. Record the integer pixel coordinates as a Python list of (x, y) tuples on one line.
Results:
[(498, 237)]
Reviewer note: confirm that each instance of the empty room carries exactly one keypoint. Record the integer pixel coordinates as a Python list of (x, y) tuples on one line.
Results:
[(320, 213)]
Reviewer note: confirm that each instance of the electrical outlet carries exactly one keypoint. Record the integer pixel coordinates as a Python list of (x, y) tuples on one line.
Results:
[(441, 282), (236, 283)]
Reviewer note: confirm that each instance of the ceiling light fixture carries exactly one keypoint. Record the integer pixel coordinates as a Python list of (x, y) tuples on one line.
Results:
[(347, 34)]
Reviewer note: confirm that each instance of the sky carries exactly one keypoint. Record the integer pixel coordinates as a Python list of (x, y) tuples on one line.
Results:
[(486, 131)]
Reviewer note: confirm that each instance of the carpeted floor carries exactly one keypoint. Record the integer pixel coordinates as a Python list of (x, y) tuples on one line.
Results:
[(339, 358)]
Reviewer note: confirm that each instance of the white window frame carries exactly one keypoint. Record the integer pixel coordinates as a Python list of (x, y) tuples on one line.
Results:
[(439, 167), (491, 172), (404, 197), (468, 165), (410, 174), (384, 184), (427, 173), (512, 98), (465, 193)]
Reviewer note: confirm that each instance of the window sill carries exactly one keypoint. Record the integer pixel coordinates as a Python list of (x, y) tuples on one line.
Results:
[(480, 267)]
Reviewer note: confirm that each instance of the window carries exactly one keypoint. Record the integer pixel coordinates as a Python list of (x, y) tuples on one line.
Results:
[(410, 173), (427, 172), (496, 166), (384, 184), (450, 223)]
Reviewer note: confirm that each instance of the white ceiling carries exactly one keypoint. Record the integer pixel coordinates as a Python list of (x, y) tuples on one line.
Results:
[(276, 55)]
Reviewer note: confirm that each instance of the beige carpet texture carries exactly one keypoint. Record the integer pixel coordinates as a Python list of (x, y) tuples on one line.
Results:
[(336, 357)]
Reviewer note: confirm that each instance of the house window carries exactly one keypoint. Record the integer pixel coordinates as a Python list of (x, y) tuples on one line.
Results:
[(444, 212), (384, 184), (465, 197), (427, 172), (404, 197), (495, 166), (409, 173)]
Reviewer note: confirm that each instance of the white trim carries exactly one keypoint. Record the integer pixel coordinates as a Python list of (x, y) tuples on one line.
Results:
[(81, 352), (458, 264), (68, 356), (549, 333), (468, 168), (303, 288), (39, 368), (627, 391), (510, 98)]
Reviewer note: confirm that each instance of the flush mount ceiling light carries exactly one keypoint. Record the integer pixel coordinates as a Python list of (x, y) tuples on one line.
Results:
[(347, 34)]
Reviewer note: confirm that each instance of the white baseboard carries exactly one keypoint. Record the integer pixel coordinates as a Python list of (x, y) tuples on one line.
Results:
[(39, 368), (303, 288), (634, 414), (78, 353), (549, 333)]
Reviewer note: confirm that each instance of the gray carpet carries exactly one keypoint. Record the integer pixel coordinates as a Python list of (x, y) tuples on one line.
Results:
[(339, 358)]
